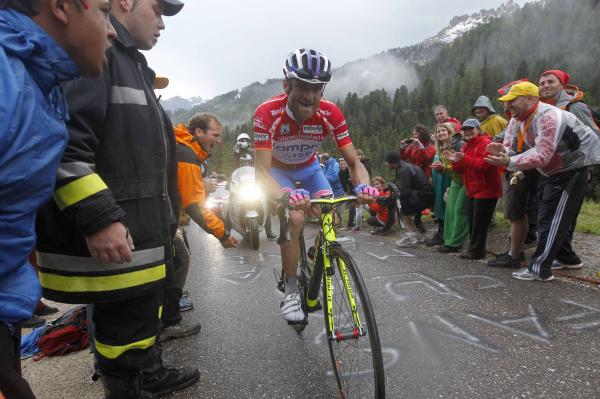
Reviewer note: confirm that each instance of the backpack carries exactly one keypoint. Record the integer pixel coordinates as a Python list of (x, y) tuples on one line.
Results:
[(66, 334)]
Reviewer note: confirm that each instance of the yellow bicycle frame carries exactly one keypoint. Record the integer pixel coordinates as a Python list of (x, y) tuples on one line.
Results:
[(327, 237)]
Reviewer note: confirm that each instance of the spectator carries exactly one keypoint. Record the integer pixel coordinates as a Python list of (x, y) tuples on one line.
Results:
[(381, 211), (332, 171), (415, 195), (358, 209), (364, 160), (441, 116), (520, 203), (456, 219), (561, 147), (490, 122), (441, 180), (348, 187), (42, 44), (483, 185), (419, 150), (555, 90), (114, 237)]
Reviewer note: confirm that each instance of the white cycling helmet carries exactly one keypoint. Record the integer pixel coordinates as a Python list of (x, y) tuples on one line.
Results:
[(243, 137), (307, 65)]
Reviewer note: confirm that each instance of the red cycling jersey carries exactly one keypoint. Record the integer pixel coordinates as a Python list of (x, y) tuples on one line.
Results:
[(295, 145)]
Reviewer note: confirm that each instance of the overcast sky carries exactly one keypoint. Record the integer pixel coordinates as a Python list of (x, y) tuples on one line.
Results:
[(214, 46)]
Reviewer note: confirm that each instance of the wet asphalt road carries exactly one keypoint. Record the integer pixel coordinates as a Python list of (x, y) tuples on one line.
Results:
[(449, 328)]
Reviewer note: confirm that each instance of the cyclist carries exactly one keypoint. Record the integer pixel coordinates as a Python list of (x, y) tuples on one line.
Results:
[(288, 130)]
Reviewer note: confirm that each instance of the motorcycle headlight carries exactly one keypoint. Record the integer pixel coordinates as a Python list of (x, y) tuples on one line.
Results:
[(251, 192), (211, 203)]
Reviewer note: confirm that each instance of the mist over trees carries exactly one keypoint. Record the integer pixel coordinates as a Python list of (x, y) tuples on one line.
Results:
[(551, 34)]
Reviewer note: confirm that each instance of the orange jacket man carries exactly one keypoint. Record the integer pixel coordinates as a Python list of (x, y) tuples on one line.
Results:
[(195, 143)]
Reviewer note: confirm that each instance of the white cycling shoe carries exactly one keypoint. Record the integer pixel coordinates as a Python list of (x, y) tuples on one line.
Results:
[(291, 309)]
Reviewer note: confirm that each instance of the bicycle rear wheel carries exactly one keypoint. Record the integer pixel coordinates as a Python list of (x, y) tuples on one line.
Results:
[(354, 347)]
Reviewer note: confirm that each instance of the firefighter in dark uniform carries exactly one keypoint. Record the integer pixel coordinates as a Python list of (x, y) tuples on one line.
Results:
[(106, 238)]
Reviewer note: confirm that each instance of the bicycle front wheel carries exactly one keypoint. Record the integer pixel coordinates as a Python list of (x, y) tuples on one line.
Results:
[(354, 341)]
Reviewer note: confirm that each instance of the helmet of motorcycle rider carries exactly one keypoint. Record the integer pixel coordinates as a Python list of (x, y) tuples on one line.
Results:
[(246, 160), (308, 65), (243, 137)]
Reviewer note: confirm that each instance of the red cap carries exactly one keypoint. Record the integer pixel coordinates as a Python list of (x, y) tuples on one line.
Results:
[(506, 88), (562, 76)]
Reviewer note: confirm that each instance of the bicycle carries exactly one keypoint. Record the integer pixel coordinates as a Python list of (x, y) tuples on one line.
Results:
[(350, 326)]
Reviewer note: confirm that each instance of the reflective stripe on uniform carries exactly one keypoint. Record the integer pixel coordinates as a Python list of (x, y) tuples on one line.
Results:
[(78, 190), (74, 169), (160, 309), (102, 283), (80, 264), (113, 352), (127, 95)]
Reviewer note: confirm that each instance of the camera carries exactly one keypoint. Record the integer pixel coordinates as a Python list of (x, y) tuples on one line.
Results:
[(408, 141)]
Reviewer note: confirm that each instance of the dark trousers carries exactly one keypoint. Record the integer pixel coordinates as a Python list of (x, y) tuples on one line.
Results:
[(126, 333), (12, 383), (566, 250), (480, 215), (351, 215), (559, 201), (174, 290)]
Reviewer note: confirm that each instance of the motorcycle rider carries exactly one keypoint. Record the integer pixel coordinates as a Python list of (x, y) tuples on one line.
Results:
[(241, 156), (288, 130)]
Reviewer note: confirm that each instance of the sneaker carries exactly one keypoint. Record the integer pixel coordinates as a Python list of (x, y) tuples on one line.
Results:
[(270, 234), (526, 275), (408, 240), (356, 228), (291, 309), (446, 249), (185, 294), (505, 260), (185, 304), (166, 380), (179, 330), (571, 263)]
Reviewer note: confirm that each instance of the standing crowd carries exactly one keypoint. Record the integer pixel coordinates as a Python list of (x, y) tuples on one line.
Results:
[(93, 176)]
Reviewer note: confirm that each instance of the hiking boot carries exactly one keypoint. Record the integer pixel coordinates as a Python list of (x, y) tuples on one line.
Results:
[(526, 275), (383, 231), (42, 309), (437, 239), (470, 255), (179, 330), (446, 249), (185, 304), (124, 388), (567, 263), (505, 260), (165, 380), (291, 308)]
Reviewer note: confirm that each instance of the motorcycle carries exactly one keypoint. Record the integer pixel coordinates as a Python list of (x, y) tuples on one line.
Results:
[(247, 205)]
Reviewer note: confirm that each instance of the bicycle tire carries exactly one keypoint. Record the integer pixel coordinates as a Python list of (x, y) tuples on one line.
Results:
[(357, 362)]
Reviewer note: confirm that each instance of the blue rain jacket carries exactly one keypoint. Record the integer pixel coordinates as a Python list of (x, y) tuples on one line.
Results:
[(33, 137)]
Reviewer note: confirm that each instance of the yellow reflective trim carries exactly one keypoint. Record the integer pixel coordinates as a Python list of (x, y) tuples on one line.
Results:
[(160, 312), (113, 352), (78, 190), (102, 283)]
